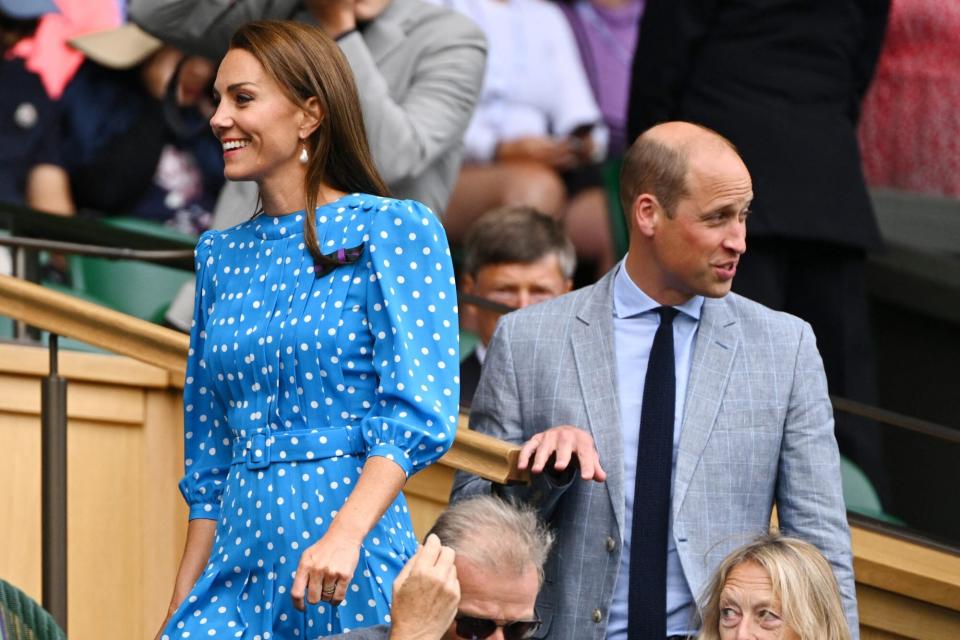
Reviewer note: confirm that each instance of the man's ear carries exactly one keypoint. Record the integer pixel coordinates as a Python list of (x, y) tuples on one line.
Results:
[(312, 116), (467, 283), (645, 214)]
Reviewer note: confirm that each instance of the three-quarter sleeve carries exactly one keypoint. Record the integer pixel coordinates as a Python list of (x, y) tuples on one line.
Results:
[(207, 445), (412, 313)]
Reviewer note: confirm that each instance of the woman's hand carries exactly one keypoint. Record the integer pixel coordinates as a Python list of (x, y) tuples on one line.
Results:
[(325, 570)]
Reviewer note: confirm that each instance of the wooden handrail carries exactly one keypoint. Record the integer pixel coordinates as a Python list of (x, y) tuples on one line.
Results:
[(147, 342), (93, 324)]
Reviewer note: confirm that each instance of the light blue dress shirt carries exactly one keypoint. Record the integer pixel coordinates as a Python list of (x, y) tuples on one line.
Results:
[(634, 325)]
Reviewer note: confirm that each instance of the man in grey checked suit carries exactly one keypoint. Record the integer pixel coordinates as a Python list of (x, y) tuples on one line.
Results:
[(753, 423)]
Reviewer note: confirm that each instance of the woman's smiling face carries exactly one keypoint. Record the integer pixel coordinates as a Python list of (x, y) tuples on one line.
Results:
[(259, 127)]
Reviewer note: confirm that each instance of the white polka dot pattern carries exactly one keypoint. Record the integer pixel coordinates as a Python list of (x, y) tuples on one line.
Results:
[(369, 348)]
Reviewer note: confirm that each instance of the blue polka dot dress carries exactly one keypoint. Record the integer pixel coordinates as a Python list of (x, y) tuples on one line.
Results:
[(293, 380)]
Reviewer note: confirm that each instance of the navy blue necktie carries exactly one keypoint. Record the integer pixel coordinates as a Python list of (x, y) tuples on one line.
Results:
[(651, 494)]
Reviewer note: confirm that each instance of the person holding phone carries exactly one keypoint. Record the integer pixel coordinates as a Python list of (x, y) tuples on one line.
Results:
[(537, 133)]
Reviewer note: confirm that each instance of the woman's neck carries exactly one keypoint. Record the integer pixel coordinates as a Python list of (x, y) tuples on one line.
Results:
[(278, 200)]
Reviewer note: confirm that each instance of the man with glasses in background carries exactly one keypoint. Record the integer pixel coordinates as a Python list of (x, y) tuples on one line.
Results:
[(476, 576)]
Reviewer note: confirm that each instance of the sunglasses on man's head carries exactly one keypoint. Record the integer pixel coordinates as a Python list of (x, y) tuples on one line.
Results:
[(479, 628)]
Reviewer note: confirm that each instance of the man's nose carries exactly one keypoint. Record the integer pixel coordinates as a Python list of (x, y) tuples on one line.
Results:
[(523, 298), (736, 239)]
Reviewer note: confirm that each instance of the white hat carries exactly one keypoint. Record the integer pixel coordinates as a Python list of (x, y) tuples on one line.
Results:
[(119, 48)]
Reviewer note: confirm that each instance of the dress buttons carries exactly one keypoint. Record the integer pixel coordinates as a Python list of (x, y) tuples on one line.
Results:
[(611, 544), (597, 616)]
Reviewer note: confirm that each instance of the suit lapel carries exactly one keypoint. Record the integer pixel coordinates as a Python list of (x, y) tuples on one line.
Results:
[(592, 339), (713, 353), (389, 30)]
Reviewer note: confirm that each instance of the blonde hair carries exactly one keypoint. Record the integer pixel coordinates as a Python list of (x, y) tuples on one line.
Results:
[(801, 580), (307, 63)]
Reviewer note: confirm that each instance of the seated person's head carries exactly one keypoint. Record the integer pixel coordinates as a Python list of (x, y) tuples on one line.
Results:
[(515, 256), (773, 588), (18, 20), (500, 553)]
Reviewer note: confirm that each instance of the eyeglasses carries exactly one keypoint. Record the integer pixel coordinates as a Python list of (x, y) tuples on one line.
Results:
[(478, 628)]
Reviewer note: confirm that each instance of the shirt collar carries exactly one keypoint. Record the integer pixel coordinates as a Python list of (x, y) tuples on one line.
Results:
[(630, 301), (481, 351)]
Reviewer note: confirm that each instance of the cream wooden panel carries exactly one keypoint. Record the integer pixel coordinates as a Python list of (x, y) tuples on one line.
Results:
[(29, 360), (427, 493), (906, 617), (86, 400), (165, 519)]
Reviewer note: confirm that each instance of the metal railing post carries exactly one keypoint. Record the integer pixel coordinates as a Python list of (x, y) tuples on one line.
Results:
[(53, 470)]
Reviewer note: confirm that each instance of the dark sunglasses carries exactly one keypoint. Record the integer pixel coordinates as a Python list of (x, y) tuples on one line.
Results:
[(478, 628)]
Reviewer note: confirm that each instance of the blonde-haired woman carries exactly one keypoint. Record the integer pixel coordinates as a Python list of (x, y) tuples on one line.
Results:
[(323, 360), (774, 588)]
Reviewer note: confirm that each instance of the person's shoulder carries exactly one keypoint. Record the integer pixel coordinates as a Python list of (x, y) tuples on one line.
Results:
[(757, 320), (367, 633), (441, 23), (553, 311), (399, 213)]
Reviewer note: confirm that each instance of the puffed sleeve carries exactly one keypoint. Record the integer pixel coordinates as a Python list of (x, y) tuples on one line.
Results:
[(207, 450), (412, 312)]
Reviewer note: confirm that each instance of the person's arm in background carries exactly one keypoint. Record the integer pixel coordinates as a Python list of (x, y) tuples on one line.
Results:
[(809, 493), (408, 135), (48, 190), (576, 118), (204, 27), (875, 14), (670, 33)]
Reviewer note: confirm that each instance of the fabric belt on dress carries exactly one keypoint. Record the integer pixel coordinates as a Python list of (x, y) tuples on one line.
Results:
[(261, 450)]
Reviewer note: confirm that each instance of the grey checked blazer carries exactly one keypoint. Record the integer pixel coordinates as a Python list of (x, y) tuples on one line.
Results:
[(757, 429)]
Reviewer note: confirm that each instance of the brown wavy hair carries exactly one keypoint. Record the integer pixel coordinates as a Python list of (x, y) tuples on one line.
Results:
[(307, 63)]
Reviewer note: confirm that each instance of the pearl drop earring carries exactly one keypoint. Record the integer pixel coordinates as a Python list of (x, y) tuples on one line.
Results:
[(304, 156)]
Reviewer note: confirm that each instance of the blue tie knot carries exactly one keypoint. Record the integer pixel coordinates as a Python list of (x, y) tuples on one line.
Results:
[(667, 314)]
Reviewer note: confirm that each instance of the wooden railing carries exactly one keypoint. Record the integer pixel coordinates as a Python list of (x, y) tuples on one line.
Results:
[(905, 589)]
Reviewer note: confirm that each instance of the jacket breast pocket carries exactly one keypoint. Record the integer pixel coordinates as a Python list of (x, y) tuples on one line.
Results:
[(750, 417)]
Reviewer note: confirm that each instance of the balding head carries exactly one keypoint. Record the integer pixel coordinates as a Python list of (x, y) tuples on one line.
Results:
[(658, 162)]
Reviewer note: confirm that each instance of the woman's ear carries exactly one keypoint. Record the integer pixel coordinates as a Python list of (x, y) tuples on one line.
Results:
[(311, 118)]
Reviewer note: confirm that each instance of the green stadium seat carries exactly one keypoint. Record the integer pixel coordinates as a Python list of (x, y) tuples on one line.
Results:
[(859, 494), (22, 618), (140, 289)]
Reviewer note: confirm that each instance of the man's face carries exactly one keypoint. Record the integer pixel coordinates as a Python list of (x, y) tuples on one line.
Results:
[(514, 284), (494, 595), (697, 250)]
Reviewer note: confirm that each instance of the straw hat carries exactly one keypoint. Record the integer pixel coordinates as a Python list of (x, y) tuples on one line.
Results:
[(119, 48), (27, 9)]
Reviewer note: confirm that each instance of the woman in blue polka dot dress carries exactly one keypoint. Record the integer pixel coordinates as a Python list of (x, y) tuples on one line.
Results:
[(323, 365)]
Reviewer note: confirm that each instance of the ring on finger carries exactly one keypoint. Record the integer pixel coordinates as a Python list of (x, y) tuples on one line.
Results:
[(329, 590)]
